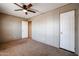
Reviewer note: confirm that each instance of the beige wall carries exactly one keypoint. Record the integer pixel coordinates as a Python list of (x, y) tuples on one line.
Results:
[(45, 27), (10, 28), (78, 32)]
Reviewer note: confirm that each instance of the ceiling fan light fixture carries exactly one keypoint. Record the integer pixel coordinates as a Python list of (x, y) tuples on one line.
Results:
[(24, 10)]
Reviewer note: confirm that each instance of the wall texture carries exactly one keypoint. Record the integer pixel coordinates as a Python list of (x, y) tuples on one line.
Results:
[(46, 28), (78, 32), (10, 28)]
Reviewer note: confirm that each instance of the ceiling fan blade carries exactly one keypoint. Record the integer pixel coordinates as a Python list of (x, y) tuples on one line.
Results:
[(18, 5), (18, 9), (33, 9), (30, 5)]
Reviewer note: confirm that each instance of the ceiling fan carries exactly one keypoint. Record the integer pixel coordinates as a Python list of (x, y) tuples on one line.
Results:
[(25, 8)]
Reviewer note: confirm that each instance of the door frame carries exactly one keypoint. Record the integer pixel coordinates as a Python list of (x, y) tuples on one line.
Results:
[(30, 30), (60, 31)]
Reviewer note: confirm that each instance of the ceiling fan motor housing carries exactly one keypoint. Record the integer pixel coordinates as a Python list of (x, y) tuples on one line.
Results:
[(24, 7)]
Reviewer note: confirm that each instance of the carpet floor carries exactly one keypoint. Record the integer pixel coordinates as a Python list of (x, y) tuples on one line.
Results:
[(27, 47)]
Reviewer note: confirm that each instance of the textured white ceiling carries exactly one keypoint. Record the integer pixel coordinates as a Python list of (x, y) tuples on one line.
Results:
[(8, 8)]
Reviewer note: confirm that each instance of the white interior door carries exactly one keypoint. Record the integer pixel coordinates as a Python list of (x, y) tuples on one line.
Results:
[(24, 29), (67, 30)]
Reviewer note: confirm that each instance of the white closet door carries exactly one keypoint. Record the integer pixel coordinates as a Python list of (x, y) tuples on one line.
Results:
[(24, 29), (67, 30)]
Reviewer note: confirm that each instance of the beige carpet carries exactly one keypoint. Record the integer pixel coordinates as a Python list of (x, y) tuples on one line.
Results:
[(27, 47)]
